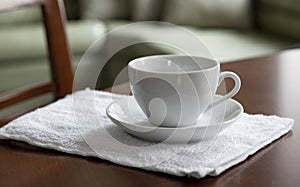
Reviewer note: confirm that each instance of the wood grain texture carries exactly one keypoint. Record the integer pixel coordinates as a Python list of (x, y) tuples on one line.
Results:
[(58, 47), (270, 86)]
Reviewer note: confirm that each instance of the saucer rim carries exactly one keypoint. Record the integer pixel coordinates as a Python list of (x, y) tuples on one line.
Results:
[(172, 128)]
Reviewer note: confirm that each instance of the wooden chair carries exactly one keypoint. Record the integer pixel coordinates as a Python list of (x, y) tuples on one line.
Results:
[(58, 51)]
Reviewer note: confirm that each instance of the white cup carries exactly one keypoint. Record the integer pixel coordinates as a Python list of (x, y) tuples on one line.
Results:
[(175, 90)]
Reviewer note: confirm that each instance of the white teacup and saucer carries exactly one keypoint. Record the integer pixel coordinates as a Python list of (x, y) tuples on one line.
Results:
[(174, 99)]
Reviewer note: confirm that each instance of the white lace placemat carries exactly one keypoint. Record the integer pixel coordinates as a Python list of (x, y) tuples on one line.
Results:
[(77, 124)]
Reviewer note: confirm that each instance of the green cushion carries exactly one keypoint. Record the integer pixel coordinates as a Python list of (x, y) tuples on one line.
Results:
[(230, 45), (28, 41), (209, 13), (23, 72), (21, 16), (105, 9), (146, 10), (225, 44)]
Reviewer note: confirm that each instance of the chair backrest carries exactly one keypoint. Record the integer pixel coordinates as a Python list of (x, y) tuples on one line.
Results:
[(58, 51)]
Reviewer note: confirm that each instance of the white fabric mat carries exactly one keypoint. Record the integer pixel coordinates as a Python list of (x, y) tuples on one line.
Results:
[(77, 124)]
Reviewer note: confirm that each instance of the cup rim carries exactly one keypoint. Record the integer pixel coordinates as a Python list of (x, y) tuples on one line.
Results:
[(131, 64)]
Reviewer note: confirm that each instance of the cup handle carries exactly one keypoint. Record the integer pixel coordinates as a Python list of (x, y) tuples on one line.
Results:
[(233, 92)]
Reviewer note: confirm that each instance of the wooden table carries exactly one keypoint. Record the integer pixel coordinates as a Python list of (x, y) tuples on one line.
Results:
[(271, 85)]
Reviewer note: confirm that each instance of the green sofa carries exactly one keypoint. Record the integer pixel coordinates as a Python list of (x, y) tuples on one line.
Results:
[(232, 30)]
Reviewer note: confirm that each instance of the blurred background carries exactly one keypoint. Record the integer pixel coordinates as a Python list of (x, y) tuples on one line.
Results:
[(231, 29)]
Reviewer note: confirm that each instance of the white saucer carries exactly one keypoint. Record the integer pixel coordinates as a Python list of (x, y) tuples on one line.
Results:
[(127, 114)]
